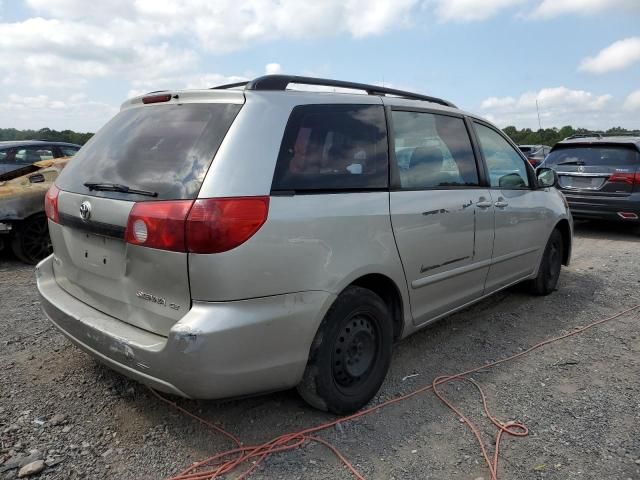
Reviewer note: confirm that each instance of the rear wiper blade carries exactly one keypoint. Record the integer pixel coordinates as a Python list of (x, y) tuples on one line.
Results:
[(116, 187), (571, 162)]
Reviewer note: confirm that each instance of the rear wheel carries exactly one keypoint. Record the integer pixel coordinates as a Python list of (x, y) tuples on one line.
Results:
[(350, 354), (31, 242), (550, 265)]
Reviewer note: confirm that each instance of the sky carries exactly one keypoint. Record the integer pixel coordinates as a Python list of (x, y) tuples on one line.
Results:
[(69, 64)]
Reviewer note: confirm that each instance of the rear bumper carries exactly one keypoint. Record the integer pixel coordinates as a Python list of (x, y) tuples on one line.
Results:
[(217, 350), (604, 208)]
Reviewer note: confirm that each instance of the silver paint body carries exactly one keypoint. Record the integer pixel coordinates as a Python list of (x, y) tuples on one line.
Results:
[(245, 319)]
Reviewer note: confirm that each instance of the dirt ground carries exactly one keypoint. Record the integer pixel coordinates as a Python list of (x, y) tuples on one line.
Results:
[(580, 397)]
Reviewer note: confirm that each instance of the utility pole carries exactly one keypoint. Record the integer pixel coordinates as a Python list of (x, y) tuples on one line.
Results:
[(540, 124), (538, 110)]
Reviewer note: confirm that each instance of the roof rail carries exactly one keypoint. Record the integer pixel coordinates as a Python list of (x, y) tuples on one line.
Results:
[(630, 133), (281, 82), (585, 135)]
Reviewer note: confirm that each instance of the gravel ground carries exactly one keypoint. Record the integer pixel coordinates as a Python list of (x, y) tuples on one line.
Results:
[(580, 397)]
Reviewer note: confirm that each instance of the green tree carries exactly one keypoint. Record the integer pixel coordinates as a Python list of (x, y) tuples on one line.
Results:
[(45, 134)]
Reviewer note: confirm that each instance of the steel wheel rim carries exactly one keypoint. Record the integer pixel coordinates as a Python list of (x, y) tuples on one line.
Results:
[(355, 351), (554, 261)]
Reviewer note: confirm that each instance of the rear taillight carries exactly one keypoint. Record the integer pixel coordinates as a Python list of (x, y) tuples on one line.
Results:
[(210, 225), (216, 225), (158, 224), (51, 204), (625, 177)]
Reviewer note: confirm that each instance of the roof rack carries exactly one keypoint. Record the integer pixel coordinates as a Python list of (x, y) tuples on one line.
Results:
[(585, 135), (281, 82), (631, 133)]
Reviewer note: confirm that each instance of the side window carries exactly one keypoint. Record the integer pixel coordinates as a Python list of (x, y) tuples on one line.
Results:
[(506, 167), (68, 151), (4, 157), (333, 147), (29, 155), (433, 151)]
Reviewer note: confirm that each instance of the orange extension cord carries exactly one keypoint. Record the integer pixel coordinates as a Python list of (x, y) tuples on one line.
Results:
[(229, 461)]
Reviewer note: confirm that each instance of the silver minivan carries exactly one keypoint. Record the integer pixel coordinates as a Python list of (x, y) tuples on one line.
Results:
[(252, 238)]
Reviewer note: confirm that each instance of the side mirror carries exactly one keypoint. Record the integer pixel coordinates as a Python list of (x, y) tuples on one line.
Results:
[(547, 177)]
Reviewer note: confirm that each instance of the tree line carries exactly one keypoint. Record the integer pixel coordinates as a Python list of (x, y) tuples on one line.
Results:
[(45, 134), (525, 136), (550, 136)]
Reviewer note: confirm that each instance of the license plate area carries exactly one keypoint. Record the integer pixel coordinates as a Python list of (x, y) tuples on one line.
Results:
[(579, 182), (97, 254)]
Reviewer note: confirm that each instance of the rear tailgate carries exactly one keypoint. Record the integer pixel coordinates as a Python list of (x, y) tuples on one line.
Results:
[(163, 152), (602, 169), (146, 287)]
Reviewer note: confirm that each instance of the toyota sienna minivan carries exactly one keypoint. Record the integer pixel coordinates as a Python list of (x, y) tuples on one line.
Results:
[(252, 238)]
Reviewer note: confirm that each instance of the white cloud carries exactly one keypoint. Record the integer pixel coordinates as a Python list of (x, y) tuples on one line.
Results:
[(632, 102), (496, 102), (52, 52), (617, 56), (273, 68), (471, 10), (151, 39), (558, 106), (554, 8), (38, 111)]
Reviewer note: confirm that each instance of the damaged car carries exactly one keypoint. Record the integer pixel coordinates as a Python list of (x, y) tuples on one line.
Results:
[(23, 223)]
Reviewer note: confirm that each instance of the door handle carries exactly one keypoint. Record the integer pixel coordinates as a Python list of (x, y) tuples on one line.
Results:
[(501, 203), (483, 204)]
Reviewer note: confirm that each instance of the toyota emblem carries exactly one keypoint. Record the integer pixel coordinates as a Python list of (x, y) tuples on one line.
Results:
[(85, 210)]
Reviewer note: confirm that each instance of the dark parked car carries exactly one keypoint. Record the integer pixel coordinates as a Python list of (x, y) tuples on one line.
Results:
[(599, 175), (535, 153), (20, 153)]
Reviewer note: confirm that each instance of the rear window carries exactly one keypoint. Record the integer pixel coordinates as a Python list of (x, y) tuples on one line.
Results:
[(165, 149), (68, 151), (333, 147), (615, 156), (526, 149)]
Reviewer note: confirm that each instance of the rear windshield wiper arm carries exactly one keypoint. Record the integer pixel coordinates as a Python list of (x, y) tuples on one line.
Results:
[(116, 187)]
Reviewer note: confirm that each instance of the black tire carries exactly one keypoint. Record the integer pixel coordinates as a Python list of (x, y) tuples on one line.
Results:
[(31, 242), (550, 265), (350, 354)]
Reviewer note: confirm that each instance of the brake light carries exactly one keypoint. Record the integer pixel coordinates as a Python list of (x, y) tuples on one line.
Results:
[(158, 224), (211, 225), (165, 97), (51, 204), (623, 177), (217, 225)]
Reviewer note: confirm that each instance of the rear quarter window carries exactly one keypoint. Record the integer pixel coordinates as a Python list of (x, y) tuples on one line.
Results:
[(165, 149), (333, 147)]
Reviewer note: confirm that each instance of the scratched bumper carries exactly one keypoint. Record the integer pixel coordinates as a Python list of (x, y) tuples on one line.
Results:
[(217, 350)]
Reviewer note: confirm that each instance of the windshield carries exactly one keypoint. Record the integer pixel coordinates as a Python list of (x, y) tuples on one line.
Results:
[(160, 148), (617, 156)]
